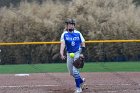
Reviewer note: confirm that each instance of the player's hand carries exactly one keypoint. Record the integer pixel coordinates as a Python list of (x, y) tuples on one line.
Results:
[(81, 55), (63, 57)]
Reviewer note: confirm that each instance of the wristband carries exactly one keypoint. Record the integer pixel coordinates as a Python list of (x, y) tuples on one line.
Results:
[(83, 50)]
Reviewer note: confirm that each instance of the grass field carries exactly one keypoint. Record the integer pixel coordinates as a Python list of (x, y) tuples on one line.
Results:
[(89, 67)]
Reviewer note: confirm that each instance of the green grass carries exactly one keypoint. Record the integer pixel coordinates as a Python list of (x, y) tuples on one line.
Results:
[(113, 67), (89, 67)]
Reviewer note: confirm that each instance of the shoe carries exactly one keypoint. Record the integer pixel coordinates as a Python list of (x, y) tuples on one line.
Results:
[(83, 84), (78, 90)]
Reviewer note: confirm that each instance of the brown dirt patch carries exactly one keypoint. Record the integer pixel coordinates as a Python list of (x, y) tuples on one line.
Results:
[(107, 82)]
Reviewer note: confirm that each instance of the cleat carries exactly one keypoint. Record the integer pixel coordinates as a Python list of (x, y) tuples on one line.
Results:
[(78, 90), (82, 85)]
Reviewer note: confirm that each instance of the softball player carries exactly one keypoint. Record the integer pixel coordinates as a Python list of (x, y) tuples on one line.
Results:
[(74, 43)]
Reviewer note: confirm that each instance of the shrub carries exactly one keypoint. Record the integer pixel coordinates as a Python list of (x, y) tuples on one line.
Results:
[(96, 19)]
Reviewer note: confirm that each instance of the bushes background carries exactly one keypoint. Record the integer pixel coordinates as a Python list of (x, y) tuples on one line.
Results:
[(96, 19)]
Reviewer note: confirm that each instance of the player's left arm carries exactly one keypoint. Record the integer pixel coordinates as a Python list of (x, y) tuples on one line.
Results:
[(83, 46)]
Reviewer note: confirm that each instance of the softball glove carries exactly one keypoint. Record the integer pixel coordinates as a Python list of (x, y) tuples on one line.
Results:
[(79, 63)]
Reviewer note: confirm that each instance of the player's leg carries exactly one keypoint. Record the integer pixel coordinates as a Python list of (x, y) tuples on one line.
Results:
[(74, 71), (78, 80), (69, 64), (76, 74)]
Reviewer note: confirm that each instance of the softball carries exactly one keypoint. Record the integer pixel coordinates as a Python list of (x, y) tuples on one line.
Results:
[(72, 55)]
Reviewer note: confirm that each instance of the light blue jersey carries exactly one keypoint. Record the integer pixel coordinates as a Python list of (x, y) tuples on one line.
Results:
[(72, 40)]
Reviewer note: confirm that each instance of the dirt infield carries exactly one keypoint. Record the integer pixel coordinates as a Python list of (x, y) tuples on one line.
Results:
[(107, 82)]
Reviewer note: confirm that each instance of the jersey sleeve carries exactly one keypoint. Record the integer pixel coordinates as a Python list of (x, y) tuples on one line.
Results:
[(62, 38), (82, 38)]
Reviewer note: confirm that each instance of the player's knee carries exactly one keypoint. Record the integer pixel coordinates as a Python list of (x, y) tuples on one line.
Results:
[(75, 75)]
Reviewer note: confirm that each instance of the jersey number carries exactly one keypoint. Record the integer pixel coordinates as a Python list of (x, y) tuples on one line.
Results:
[(72, 43)]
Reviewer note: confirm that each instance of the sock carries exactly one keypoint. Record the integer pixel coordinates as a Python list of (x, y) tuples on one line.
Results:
[(78, 82), (81, 80)]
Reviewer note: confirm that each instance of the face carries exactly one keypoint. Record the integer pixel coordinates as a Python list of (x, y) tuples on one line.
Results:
[(70, 26)]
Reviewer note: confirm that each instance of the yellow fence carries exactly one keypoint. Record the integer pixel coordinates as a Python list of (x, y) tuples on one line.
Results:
[(57, 42)]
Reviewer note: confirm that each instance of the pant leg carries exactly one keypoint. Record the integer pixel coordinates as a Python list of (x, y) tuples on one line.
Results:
[(69, 64), (72, 70), (76, 73)]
